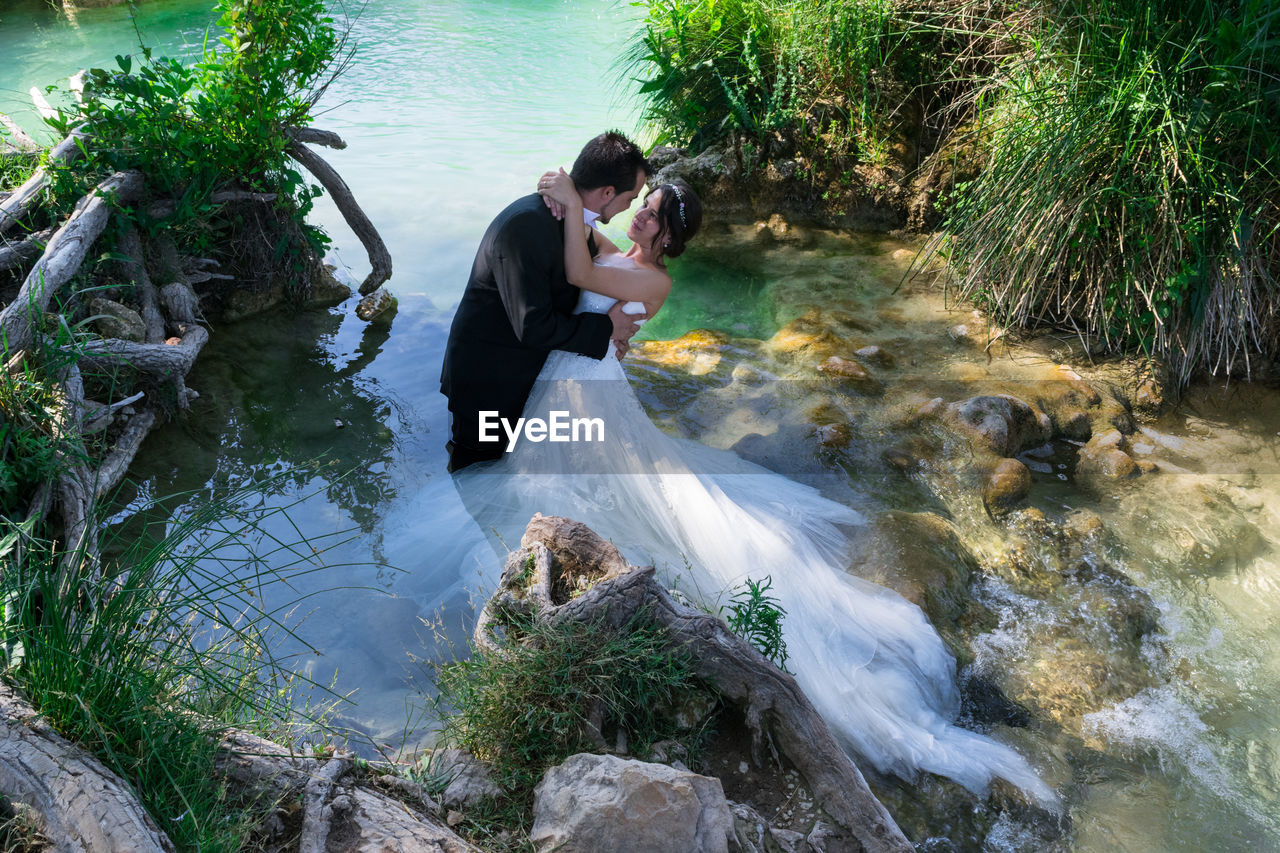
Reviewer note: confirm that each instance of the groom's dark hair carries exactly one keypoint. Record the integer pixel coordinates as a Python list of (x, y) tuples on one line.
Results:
[(609, 160)]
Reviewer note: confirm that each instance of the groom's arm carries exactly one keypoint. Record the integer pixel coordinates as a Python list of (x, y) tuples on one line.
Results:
[(524, 261)]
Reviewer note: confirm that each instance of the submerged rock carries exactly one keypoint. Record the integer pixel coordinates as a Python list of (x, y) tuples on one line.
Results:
[(1102, 459), (1006, 486), (593, 803), (697, 352)]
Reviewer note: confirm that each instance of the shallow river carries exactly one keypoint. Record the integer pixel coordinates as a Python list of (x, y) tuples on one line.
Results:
[(1164, 740)]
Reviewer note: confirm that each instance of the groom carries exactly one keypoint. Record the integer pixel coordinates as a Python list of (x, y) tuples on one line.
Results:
[(518, 306)]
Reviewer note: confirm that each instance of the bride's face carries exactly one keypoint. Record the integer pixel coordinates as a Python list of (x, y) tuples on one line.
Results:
[(644, 225)]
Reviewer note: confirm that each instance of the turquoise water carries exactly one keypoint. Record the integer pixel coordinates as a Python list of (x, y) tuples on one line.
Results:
[(451, 111)]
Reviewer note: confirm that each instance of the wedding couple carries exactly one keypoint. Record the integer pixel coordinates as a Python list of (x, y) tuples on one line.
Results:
[(546, 306)]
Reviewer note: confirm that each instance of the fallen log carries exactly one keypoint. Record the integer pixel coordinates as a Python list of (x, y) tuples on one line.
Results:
[(19, 203), (62, 258), (165, 207), (22, 252), (83, 805), (775, 707), (379, 257)]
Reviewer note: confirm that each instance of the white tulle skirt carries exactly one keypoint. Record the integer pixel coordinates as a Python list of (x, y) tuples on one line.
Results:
[(868, 659)]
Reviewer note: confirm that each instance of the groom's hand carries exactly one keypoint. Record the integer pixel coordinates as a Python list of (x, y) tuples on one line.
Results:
[(624, 325), (621, 348)]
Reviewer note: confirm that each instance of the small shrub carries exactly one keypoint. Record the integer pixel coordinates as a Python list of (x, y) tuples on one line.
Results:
[(524, 706)]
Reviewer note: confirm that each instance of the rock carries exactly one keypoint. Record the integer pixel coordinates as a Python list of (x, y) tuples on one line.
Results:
[(595, 803), (113, 320), (1007, 485), (754, 834), (805, 339), (932, 569), (697, 352), (469, 778), (376, 303), (1002, 424), (875, 355), (1102, 459), (850, 371), (845, 368), (975, 332), (326, 289)]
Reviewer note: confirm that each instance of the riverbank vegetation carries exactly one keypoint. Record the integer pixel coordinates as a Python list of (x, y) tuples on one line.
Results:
[(1109, 166), (137, 662)]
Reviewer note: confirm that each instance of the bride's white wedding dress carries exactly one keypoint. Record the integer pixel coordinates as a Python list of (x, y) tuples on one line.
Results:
[(868, 659)]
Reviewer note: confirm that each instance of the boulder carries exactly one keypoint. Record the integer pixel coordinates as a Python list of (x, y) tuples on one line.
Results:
[(602, 802), (1000, 423), (114, 320), (1006, 486)]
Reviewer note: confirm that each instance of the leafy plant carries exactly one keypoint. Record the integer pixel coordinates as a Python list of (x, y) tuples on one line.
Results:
[(757, 617)]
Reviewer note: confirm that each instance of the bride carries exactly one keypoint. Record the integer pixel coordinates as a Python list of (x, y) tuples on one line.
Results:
[(868, 659)]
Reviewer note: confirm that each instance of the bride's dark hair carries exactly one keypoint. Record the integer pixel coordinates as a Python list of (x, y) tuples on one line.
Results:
[(679, 217)]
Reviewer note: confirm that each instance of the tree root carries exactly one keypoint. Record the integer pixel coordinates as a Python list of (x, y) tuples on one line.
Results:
[(776, 710), (83, 805), (168, 363), (379, 257), (22, 252), (315, 136), (135, 271), (62, 258), (360, 818)]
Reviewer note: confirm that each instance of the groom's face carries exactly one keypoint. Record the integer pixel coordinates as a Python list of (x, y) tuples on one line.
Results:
[(622, 201)]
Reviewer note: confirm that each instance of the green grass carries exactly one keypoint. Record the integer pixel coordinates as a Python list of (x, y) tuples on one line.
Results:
[(15, 169), (147, 666)]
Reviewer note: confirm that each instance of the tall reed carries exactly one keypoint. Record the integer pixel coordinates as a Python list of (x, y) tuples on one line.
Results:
[(146, 667)]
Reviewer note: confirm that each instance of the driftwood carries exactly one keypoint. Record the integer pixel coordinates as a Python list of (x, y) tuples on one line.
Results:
[(62, 258), (17, 205), (83, 805), (379, 257), (17, 136), (22, 252), (135, 271), (113, 467), (361, 819), (316, 815), (42, 104), (774, 705)]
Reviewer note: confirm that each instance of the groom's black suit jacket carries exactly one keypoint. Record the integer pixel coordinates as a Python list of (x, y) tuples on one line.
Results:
[(517, 308)]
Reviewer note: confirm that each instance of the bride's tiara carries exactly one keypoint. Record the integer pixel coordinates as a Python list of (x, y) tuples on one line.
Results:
[(680, 198)]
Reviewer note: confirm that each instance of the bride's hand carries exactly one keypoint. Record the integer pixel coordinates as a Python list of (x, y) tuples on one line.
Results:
[(559, 188)]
